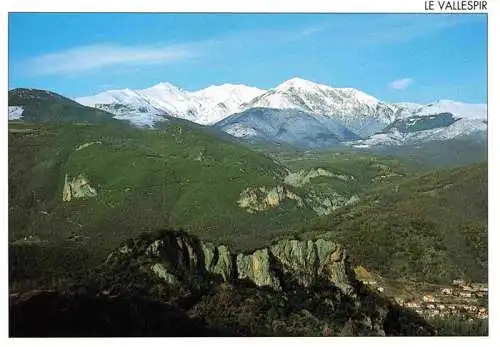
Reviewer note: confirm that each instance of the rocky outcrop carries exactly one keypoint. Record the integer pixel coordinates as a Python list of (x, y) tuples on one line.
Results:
[(303, 177), (218, 261), (257, 267), (176, 256), (321, 202), (87, 144), (77, 188), (263, 198), (291, 288), (324, 203)]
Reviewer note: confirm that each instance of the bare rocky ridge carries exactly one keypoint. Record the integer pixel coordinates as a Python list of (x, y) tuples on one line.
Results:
[(263, 198), (306, 281), (169, 283), (303, 262)]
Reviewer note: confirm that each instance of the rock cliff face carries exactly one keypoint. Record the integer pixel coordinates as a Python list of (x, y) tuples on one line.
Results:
[(77, 188), (290, 288), (264, 198), (175, 256)]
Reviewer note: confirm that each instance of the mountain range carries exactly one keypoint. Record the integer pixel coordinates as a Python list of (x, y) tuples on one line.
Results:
[(297, 112), (259, 224)]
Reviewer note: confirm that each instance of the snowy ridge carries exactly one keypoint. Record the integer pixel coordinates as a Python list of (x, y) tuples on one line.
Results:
[(459, 109), (459, 129), (205, 106), (291, 126), (123, 96), (354, 109), (344, 114)]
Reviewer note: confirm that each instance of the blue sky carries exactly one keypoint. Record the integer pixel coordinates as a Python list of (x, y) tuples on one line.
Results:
[(394, 57)]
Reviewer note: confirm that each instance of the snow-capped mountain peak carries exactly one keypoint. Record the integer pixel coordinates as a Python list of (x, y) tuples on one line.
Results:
[(164, 86), (357, 111), (205, 106), (361, 114), (297, 83), (116, 96), (359, 96), (237, 93)]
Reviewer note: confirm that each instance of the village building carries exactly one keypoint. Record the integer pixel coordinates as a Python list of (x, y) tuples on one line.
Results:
[(465, 294), (458, 282), (482, 315)]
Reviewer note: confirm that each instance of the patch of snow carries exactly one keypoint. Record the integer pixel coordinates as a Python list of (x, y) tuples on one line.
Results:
[(459, 109), (462, 127), (141, 119), (15, 112), (239, 130)]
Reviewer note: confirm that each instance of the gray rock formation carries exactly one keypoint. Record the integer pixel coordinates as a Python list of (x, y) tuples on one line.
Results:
[(77, 188), (177, 256), (300, 287)]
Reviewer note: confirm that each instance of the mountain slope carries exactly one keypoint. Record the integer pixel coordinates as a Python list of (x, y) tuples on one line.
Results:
[(205, 106), (291, 288), (362, 116), (433, 155), (417, 129), (89, 186), (360, 113), (431, 228), (41, 106), (292, 126), (459, 109)]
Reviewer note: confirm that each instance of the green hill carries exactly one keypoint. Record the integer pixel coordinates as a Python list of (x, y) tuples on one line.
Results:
[(42, 106), (435, 155), (432, 228), (81, 182), (137, 180)]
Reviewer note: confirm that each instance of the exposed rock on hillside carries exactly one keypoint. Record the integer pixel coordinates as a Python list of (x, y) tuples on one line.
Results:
[(291, 288), (324, 203), (77, 188), (176, 255), (321, 202), (87, 144), (302, 177), (262, 198)]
